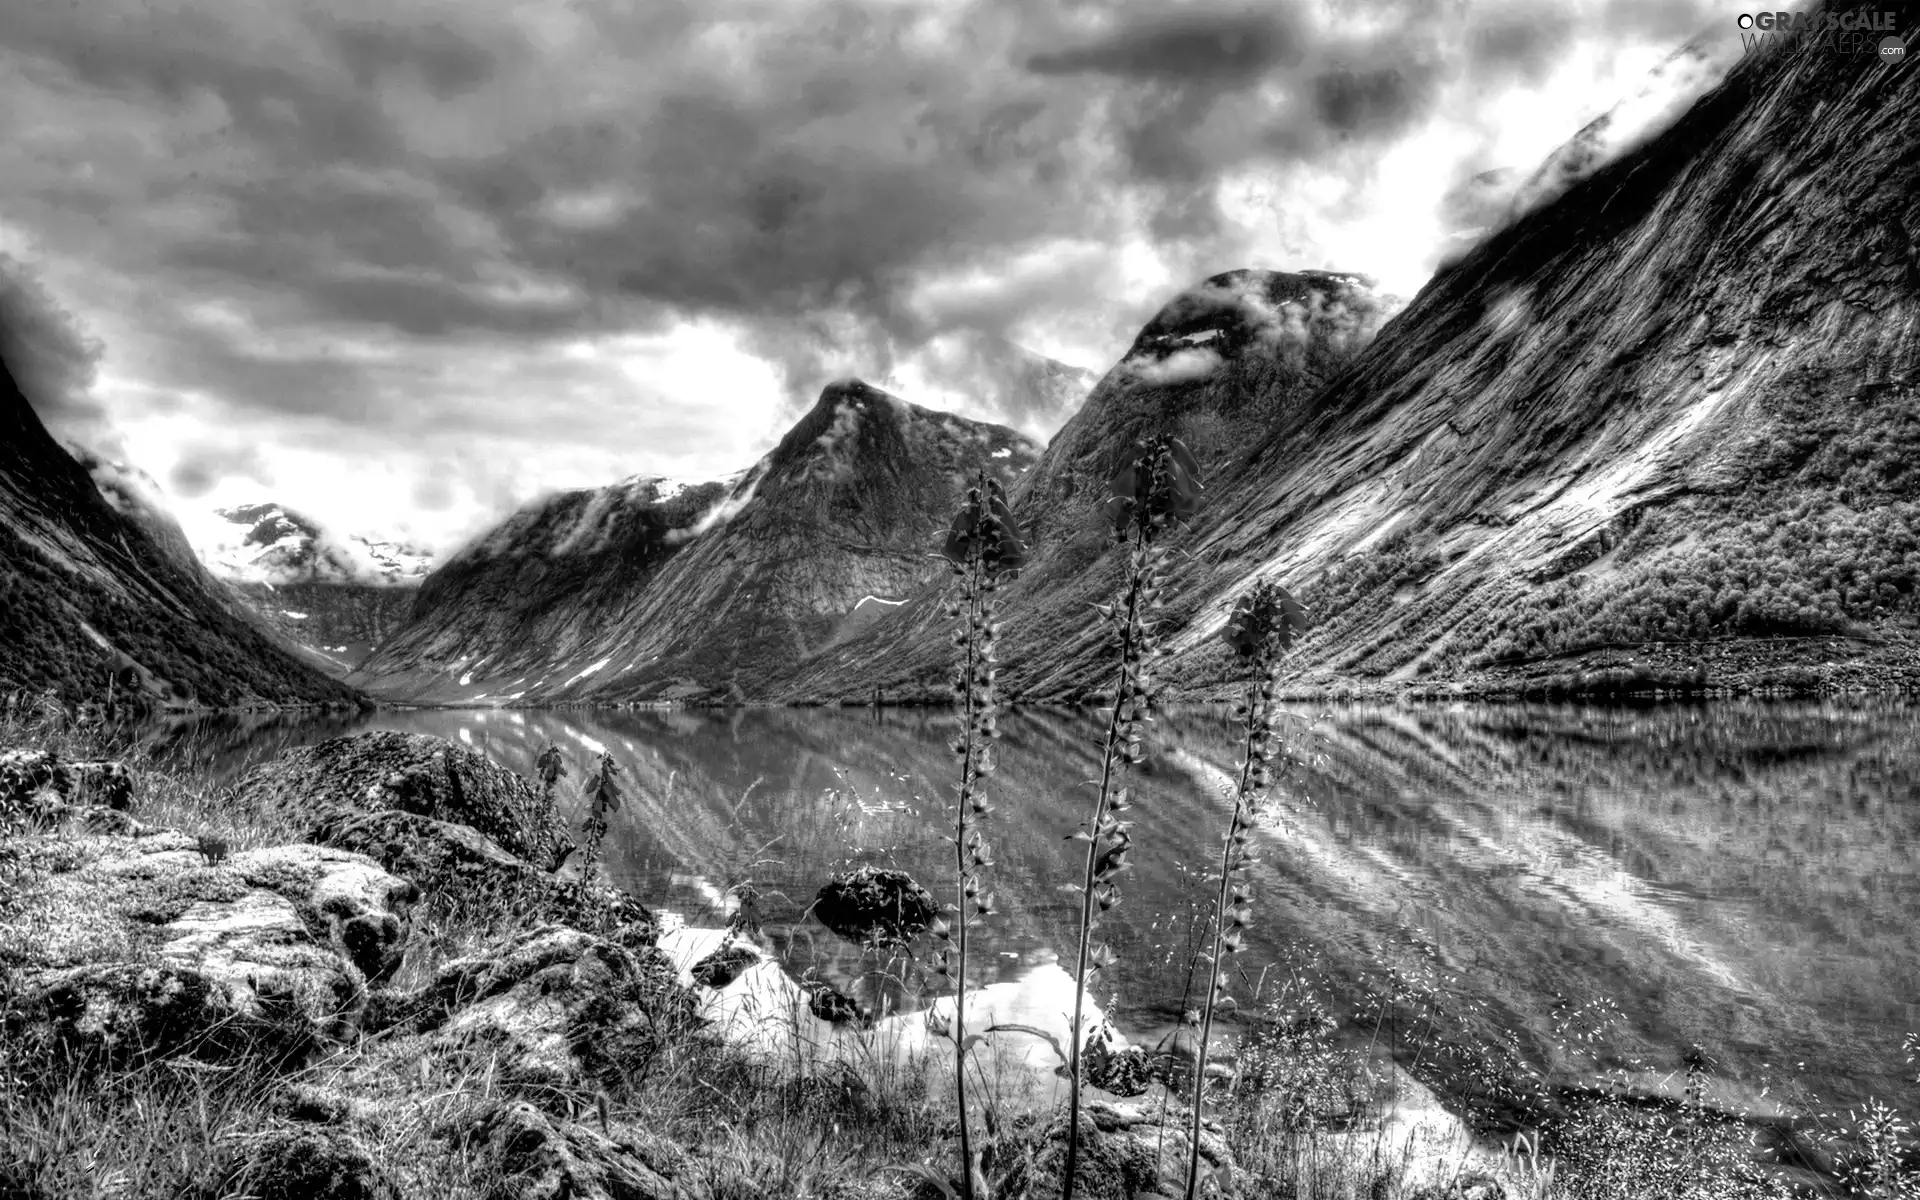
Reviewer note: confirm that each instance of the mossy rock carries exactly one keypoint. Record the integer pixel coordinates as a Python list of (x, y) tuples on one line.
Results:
[(830, 1004), (724, 965), (457, 862), (303, 1164), (875, 906), (426, 776), (39, 787), (109, 1014), (555, 1007)]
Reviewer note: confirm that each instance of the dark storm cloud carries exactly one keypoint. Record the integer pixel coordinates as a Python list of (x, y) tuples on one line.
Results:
[(50, 357), (424, 178), (445, 60), (1205, 84), (1194, 46)]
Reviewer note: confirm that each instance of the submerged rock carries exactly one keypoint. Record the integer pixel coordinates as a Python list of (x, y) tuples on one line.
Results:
[(875, 906)]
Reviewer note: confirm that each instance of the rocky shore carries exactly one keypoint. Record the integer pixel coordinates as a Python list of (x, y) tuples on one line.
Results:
[(389, 976), (410, 1001)]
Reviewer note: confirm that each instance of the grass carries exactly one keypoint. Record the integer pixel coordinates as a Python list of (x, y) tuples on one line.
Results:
[(1304, 1110)]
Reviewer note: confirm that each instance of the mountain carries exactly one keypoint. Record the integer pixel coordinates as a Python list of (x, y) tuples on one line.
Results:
[(86, 592), (1222, 363), (333, 598), (135, 495), (650, 589), (273, 545), (1492, 199), (1663, 423)]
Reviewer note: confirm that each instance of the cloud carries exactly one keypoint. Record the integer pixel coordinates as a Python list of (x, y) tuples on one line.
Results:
[(204, 466), (1479, 201), (1182, 366), (1215, 47), (723, 510), (994, 379), (439, 225), (52, 360)]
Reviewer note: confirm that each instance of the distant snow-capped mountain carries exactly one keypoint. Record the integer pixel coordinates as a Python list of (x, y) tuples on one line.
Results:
[(332, 596), (271, 544), (651, 589)]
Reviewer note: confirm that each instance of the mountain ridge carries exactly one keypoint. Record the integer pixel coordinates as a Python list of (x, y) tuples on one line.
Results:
[(88, 595), (704, 591), (1671, 405)]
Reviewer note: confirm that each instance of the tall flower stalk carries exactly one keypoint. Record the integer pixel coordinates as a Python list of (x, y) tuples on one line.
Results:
[(1260, 630), (1156, 484), (544, 832), (603, 800), (982, 545)]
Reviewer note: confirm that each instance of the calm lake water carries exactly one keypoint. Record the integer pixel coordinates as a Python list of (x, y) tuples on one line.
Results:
[(1741, 877)]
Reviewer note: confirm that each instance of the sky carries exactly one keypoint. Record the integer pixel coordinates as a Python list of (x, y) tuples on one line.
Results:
[(403, 265)]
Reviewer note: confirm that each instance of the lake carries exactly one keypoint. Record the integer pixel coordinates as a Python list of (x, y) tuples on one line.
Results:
[(1744, 877)]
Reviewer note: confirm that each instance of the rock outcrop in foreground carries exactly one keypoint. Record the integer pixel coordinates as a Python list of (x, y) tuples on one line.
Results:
[(138, 953), (1663, 426)]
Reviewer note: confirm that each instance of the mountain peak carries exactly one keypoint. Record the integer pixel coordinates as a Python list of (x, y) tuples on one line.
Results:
[(612, 594), (270, 543), (1227, 313)]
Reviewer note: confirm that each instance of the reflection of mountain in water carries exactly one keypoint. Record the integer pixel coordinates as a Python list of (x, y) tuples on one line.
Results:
[(1742, 877)]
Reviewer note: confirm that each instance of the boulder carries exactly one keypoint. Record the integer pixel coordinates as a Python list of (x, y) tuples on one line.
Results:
[(875, 906), (413, 773), (447, 818), (724, 965), (140, 945), (540, 1157), (829, 1003), (559, 1007), (39, 787), (303, 1164), (456, 861)]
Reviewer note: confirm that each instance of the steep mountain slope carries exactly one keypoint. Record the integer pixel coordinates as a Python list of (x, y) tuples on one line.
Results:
[(136, 495), (1222, 363), (653, 590), (86, 592), (332, 598), (1666, 420)]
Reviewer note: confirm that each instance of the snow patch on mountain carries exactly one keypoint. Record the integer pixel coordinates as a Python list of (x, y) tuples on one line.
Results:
[(270, 544)]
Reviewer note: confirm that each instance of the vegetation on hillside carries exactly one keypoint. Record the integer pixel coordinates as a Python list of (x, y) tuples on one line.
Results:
[(210, 658)]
